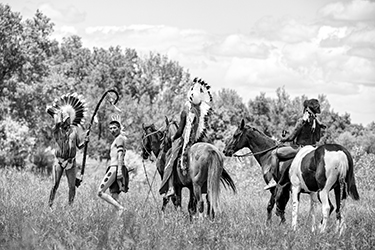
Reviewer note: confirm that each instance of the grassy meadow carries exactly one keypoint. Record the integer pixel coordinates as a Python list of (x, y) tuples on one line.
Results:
[(27, 222)]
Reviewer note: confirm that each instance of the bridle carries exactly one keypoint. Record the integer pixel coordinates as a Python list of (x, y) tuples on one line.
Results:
[(150, 134), (256, 153)]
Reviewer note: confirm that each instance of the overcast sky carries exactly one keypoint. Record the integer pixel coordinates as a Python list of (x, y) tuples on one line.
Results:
[(309, 47)]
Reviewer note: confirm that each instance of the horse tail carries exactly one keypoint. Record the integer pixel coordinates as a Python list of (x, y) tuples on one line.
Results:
[(350, 179), (215, 167), (226, 180)]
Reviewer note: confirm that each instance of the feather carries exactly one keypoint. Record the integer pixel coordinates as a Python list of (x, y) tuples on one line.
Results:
[(72, 105)]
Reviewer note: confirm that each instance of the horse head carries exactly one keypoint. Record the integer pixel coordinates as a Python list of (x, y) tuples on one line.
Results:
[(151, 140), (248, 136), (237, 141)]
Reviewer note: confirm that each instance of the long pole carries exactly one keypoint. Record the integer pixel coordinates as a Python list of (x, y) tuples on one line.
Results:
[(79, 180)]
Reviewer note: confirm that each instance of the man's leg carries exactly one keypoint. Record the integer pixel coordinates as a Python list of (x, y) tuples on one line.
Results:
[(283, 153), (171, 191), (71, 176), (272, 170), (56, 174), (108, 180)]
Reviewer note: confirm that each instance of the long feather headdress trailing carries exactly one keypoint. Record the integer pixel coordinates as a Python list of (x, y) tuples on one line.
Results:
[(69, 105), (200, 95)]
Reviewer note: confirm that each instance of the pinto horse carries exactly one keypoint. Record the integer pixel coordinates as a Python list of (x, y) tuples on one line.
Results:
[(261, 147), (316, 171), (206, 171)]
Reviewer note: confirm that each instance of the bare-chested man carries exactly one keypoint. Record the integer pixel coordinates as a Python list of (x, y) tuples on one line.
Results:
[(68, 113), (116, 177)]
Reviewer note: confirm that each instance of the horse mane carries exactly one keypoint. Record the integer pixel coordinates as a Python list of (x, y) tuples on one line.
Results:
[(264, 136)]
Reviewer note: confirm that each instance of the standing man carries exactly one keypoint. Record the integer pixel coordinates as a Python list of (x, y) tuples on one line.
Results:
[(69, 113), (117, 176)]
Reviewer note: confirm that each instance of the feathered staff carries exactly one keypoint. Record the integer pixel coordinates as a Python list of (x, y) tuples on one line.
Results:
[(113, 102)]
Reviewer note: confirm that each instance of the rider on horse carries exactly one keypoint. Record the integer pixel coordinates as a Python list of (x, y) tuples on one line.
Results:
[(192, 128), (306, 132)]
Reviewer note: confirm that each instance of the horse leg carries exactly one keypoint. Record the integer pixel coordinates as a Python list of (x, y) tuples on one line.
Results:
[(56, 174), (209, 208), (192, 206), (198, 196), (324, 197), (271, 204), (295, 197), (176, 199), (340, 204), (71, 176), (165, 202), (313, 201)]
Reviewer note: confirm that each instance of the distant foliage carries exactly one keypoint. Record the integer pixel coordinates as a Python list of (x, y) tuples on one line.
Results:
[(37, 69), (364, 168), (42, 159), (15, 143)]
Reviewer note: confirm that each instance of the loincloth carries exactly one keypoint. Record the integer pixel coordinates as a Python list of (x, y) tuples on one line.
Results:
[(66, 164), (120, 180)]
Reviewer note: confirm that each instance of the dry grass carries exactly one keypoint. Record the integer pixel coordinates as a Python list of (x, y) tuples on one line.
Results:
[(26, 222)]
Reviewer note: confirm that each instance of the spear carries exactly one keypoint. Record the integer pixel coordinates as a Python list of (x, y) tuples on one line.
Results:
[(79, 180)]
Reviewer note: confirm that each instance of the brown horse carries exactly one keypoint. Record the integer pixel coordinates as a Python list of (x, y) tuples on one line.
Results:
[(206, 171), (261, 147)]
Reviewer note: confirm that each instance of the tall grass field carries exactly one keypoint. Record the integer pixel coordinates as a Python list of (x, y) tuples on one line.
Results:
[(27, 222)]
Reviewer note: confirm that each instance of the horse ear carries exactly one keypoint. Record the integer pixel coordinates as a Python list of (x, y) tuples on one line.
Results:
[(166, 120), (143, 126), (242, 124)]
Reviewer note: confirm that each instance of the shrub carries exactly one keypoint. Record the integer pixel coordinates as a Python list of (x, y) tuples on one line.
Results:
[(15, 143)]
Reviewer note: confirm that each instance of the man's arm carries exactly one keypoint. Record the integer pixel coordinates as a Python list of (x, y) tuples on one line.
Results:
[(181, 125), (121, 150), (295, 132), (80, 144)]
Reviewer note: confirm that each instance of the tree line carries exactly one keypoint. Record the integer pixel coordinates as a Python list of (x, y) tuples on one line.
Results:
[(36, 69)]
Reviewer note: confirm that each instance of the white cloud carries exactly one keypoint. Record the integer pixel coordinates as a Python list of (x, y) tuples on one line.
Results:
[(69, 14), (357, 10), (285, 29), (306, 58), (239, 45)]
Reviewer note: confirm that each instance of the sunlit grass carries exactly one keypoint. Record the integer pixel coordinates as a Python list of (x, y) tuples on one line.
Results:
[(26, 221)]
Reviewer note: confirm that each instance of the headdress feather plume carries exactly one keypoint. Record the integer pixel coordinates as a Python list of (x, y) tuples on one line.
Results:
[(69, 105)]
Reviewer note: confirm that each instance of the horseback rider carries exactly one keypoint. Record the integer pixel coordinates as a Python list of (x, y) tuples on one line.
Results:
[(192, 129), (117, 175), (306, 132), (69, 113)]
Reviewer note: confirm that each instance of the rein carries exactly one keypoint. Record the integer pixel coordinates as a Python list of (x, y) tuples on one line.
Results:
[(257, 153), (149, 184), (147, 135)]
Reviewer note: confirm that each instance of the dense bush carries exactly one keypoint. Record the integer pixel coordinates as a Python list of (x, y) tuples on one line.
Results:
[(15, 143)]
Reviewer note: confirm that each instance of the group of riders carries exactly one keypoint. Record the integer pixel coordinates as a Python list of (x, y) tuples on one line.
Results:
[(69, 112)]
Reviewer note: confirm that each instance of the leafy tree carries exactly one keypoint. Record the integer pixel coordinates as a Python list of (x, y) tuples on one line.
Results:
[(24, 53)]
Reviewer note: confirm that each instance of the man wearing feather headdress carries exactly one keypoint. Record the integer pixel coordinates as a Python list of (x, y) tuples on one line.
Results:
[(117, 176), (192, 129), (69, 113)]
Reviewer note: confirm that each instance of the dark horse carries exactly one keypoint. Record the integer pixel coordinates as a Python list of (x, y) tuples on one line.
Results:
[(261, 147), (156, 143), (205, 169)]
